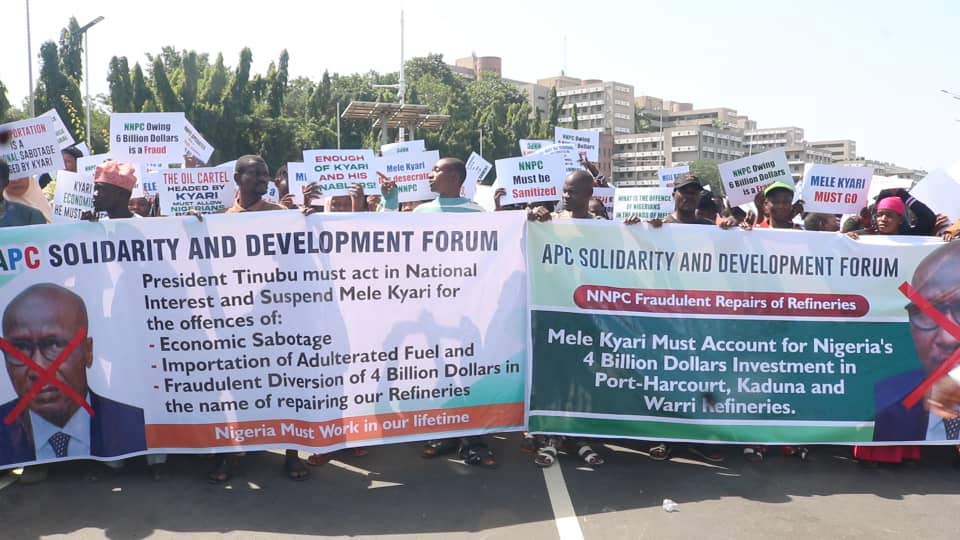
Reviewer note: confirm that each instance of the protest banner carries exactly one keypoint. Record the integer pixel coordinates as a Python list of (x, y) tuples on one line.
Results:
[(694, 334), (533, 178), (529, 146), (207, 190), (64, 137), (587, 143), (642, 202), (477, 169), (605, 195), (335, 171), (195, 144), (745, 177), (834, 189), (567, 151), (403, 147), (940, 192), (266, 330), (410, 171), (73, 196), (154, 139), (669, 175), (30, 147)]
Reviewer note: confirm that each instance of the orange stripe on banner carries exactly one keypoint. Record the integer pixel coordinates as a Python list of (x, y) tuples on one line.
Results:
[(354, 428)]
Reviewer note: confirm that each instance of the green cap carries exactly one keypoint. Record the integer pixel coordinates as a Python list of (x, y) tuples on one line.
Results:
[(777, 185)]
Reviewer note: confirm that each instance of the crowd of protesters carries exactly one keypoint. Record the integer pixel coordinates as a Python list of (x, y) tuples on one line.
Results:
[(894, 212)]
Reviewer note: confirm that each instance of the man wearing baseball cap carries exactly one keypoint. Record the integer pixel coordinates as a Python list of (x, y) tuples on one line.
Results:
[(778, 203)]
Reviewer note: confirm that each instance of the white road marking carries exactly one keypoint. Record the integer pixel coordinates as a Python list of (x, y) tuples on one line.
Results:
[(568, 526)]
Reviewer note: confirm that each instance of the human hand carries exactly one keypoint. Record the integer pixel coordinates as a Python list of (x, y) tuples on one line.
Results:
[(944, 398), (540, 214), (195, 213)]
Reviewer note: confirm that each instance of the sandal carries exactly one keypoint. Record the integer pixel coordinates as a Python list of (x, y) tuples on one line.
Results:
[(706, 454), (478, 455), (588, 455), (528, 445), (317, 460), (439, 447), (546, 455), (660, 452), (753, 455), (359, 452), (223, 469), (295, 468)]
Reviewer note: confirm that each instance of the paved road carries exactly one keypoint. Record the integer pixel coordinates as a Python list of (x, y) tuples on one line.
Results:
[(393, 493)]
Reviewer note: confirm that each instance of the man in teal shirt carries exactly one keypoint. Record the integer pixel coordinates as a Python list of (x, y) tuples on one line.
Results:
[(446, 180)]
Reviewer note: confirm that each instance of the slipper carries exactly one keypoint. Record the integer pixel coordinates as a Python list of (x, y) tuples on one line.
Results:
[(223, 469), (660, 452), (752, 455), (706, 454), (317, 460), (589, 456), (546, 456), (295, 469), (439, 447), (478, 455)]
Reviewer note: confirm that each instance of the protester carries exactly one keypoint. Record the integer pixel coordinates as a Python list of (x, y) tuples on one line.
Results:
[(598, 209), (15, 214), (898, 206), (821, 222), (779, 208), (577, 192), (113, 184), (27, 192)]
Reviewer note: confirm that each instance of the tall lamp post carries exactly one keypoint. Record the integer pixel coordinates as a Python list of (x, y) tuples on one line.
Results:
[(86, 69), (30, 62)]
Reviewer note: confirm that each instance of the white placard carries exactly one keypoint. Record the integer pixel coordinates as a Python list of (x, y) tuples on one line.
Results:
[(297, 179), (940, 192), (207, 190), (484, 197), (534, 178), (88, 164), (335, 171), (530, 146), (643, 202), (669, 175), (834, 189), (403, 147), (745, 177), (83, 148), (880, 183), (195, 144), (64, 137), (606, 196), (587, 143), (32, 148), (477, 169), (410, 172), (73, 197), (567, 151), (152, 138)]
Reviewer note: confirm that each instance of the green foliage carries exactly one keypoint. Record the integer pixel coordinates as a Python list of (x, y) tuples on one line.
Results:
[(71, 51), (4, 103), (56, 90), (709, 173), (121, 87), (141, 92)]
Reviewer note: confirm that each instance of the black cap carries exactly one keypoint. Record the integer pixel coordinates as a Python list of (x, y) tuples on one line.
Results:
[(687, 180)]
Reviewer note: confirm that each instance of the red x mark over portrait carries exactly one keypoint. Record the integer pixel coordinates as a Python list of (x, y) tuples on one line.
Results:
[(945, 324), (48, 375)]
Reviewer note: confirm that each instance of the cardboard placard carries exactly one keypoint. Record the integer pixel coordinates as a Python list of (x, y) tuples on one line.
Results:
[(534, 178), (587, 143), (410, 172), (745, 177), (834, 189), (73, 196), (336, 170), (32, 148), (669, 175), (207, 190), (643, 202), (151, 138)]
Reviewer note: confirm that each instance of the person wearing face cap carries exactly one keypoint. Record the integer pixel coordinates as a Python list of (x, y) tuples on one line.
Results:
[(779, 207), (113, 183)]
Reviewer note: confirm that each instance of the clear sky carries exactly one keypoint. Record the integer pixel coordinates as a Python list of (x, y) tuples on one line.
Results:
[(871, 71)]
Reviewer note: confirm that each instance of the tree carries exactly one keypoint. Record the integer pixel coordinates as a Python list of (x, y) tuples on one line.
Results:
[(278, 86), (574, 119), (166, 98), (553, 110), (57, 91), (4, 103), (141, 92), (214, 82), (709, 174), (188, 80), (71, 51), (121, 88)]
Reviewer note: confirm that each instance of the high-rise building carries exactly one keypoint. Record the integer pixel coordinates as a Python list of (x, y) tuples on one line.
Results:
[(638, 156), (478, 64), (604, 106), (683, 114), (881, 168), (841, 149)]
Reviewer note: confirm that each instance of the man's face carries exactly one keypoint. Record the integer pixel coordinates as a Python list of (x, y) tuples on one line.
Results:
[(934, 344), (442, 177), (780, 205), (888, 222), (139, 206), (577, 191), (253, 179), (597, 208), (40, 326), (69, 162), (108, 196), (687, 198)]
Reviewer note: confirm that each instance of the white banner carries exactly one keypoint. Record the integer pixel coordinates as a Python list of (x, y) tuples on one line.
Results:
[(669, 175), (30, 147), (195, 144), (410, 172), (207, 190), (335, 171), (73, 196), (745, 177), (642, 202), (587, 143), (149, 138), (269, 330), (403, 147), (834, 189), (534, 178)]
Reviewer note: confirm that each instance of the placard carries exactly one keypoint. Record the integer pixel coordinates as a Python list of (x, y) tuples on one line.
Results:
[(587, 143), (30, 147), (195, 144), (64, 137), (745, 177), (151, 138), (403, 147), (534, 178), (335, 171), (410, 171), (207, 190), (530, 146), (669, 175), (73, 196), (834, 189), (642, 202), (477, 169)]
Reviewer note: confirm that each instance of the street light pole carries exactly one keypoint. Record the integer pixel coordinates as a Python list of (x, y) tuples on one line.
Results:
[(30, 62), (86, 70)]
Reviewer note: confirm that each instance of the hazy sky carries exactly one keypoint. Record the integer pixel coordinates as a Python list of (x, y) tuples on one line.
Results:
[(871, 71)]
